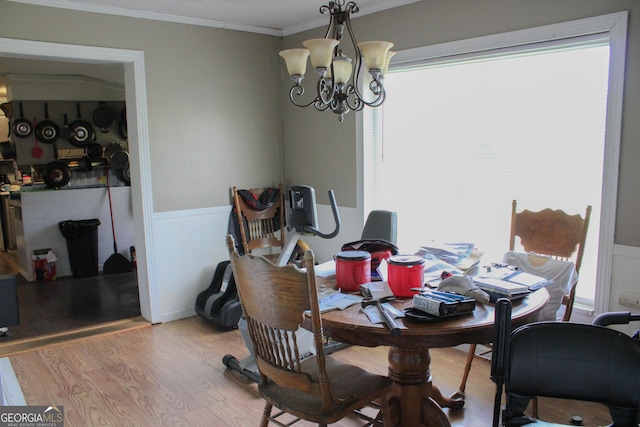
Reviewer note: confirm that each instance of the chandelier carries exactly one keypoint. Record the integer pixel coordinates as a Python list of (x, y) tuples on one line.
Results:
[(336, 88)]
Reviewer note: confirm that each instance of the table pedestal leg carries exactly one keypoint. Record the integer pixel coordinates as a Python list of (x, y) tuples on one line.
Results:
[(411, 371)]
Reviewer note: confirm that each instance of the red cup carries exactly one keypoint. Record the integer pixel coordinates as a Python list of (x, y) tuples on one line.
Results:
[(353, 268), (404, 273)]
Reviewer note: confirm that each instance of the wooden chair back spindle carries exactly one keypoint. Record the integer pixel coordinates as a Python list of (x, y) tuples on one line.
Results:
[(261, 230)]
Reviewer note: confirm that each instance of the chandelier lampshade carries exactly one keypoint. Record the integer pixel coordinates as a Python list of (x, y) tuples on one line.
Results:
[(387, 62), (342, 69), (296, 60), (321, 51), (338, 85), (374, 54)]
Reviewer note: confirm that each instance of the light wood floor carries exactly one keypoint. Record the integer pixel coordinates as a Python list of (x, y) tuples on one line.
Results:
[(172, 375)]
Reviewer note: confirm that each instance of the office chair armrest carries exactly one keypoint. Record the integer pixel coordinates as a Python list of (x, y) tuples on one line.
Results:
[(615, 318)]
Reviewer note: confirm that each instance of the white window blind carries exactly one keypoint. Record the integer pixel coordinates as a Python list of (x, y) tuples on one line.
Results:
[(456, 142)]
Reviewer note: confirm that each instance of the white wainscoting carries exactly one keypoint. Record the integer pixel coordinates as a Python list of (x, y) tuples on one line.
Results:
[(625, 277), (188, 247), (625, 273), (190, 244)]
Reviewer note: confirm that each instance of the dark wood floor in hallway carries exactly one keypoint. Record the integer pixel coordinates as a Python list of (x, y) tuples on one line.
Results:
[(69, 303)]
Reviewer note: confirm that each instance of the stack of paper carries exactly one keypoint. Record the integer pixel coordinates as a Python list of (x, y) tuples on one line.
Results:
[(451, 253), (461, 255)]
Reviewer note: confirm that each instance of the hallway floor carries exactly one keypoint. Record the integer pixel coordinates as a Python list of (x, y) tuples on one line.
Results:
[(71, 303)]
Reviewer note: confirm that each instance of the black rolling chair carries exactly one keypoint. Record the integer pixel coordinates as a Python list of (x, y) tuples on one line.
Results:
[(381, 224), (564, 360)]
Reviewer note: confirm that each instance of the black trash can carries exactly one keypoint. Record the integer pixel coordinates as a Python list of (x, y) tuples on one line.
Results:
[(82, 245)]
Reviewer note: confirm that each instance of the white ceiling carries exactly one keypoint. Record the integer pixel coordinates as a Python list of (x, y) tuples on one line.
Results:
[(276, 17)]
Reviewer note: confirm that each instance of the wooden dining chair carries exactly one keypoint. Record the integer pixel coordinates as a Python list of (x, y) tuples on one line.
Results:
[(316, 388), (544, 234), (554, 234), (260, 218), (261, 225)]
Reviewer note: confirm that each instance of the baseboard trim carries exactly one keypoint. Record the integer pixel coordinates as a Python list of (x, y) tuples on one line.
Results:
[(178, 315)]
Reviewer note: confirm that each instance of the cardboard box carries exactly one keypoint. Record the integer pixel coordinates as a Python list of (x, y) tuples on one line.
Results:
[(44, 265)]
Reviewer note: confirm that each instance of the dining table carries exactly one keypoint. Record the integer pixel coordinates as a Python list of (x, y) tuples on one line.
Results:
[(415, 401)]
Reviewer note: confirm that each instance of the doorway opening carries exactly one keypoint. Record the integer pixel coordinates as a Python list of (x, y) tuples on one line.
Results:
[(133, 62)]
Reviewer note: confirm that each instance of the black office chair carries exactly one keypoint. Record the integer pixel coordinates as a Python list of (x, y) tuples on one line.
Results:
[(564, 360), (381, 224)]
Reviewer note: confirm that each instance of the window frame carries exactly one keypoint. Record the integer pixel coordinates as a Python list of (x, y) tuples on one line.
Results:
[(612, 27)]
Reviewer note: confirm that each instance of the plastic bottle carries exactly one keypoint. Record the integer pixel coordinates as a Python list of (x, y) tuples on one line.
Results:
[(132, 252)]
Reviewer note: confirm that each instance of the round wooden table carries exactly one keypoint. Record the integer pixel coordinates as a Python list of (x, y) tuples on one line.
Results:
[(416, 402)]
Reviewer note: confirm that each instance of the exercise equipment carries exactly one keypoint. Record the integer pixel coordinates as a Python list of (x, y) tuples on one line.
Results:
[(219, 303), (303, 221)]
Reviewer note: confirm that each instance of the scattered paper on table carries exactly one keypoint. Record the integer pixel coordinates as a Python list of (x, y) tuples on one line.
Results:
[(339, 301), (325, 269)]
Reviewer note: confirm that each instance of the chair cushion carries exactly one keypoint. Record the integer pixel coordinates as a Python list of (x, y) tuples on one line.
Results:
[(346, 381)]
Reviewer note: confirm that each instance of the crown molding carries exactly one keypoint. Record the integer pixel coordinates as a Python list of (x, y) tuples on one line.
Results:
[(141, 14)]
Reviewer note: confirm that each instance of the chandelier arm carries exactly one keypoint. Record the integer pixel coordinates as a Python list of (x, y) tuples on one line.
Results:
[(382, 93), (352, 99), (321, 106), (298, 90), (351, 6), (325, 91), (357, 102), (327, 9), (376, 86)]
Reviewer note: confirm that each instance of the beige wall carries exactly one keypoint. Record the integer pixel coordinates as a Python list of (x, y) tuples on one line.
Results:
[(210, 124), (310, 140)]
